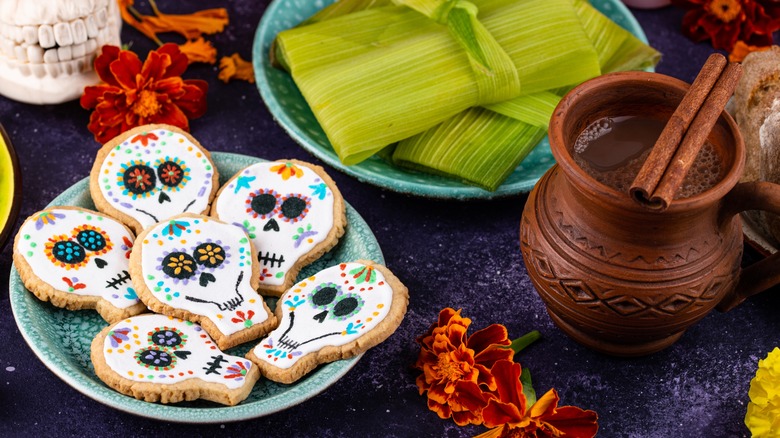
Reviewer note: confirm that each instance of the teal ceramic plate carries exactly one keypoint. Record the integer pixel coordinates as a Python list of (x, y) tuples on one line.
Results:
[(61, 338), (291, 111)]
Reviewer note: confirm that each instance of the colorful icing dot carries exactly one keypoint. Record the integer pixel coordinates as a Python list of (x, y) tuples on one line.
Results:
[(29, 253), (33, 244), (26, 237), (279, 275)]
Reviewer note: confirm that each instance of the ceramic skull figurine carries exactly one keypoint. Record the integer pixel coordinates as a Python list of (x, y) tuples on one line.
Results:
[(157, 358), (200, 269), (47, 47), (337, 313), (77, 259), (150, 173), (292, 211)]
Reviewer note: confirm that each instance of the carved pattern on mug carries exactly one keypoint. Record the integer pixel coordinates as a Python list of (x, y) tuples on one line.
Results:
[(604, 253), (599, 298)]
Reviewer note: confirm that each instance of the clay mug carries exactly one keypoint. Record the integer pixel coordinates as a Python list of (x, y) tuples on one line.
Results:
[(616, 276)]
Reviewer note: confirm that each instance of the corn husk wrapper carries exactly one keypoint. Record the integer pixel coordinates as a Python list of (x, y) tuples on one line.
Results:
[(413, 73)]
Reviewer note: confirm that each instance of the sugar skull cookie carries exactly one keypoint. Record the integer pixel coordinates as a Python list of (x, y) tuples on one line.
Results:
[(292, 211), (200, 269), (150, 173), (78, 259), (160, 359), (337, 313)]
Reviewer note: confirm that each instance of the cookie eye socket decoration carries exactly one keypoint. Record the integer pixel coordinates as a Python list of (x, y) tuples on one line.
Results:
[(262, 203), (210, 255), (74, 251), (173, 173), (179, 265), (137, 179), (155, 358), (166, 337), (292, 211), (79, 254), (93, 239), (151, 173), (294, 208), (68, 254), (334, 303)]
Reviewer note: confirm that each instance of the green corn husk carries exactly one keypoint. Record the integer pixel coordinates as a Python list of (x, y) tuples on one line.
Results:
[(508, 137), (413, 74), (481, 142)]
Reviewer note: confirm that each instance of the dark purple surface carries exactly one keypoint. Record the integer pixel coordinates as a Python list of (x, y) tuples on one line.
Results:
[(448, 253)]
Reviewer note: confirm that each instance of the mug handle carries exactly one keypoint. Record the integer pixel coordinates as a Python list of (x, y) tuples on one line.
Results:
[(762, 275)]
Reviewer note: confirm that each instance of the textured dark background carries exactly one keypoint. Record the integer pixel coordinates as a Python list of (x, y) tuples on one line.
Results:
[(450, 254)]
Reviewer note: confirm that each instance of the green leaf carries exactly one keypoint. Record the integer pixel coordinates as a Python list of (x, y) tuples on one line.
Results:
[(528, 388), (525, 340)]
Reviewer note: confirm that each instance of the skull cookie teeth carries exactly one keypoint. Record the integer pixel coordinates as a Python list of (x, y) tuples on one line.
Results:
[(151, 173), (161, 359), (292, 211), (203, 270), (337, 313), (77, 259), (47, 48)]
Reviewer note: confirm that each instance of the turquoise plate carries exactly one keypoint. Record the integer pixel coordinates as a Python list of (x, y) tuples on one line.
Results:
[(61, 338), (289, 108)]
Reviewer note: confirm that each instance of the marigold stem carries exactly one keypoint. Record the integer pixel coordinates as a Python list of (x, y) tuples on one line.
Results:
[(525, 340)]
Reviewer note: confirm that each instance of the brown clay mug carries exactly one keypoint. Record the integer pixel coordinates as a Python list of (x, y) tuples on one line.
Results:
[(616, 276)]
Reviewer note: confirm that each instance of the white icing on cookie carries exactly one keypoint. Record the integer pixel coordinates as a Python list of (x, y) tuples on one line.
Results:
[(152, 176), (158, 349), (332, 308), (286, 208), (203, 266), (80, 252)]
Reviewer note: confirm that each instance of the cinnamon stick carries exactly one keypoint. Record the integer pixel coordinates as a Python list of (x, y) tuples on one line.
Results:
[(665, 148), (696, 136)]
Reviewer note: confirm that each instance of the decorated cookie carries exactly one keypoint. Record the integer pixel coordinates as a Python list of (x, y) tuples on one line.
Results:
[(292, 211), (200, 269), (150, 173), (338, 313), (161, 359), (78, 259)]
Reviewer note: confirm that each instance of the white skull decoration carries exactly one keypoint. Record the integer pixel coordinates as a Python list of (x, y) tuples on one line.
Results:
[(292, 211), (47, 48), (202, 266), (80, 252), (333, 308), (161, 350), (151, 173)]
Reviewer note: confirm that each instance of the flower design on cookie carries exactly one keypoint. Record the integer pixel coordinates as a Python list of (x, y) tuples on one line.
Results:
[(173, 173)]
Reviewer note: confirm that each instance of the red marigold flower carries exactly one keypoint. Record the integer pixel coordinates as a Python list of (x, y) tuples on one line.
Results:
[(456, 367), (508, 416), (135, 93), (725, 22)]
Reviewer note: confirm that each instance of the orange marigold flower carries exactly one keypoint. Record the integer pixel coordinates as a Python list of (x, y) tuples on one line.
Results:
[(199, 50), (741, 50), (456, 367), (235, 67), (287, 170), (725, 22), (508, 416), (190, 26), (133, 93)]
